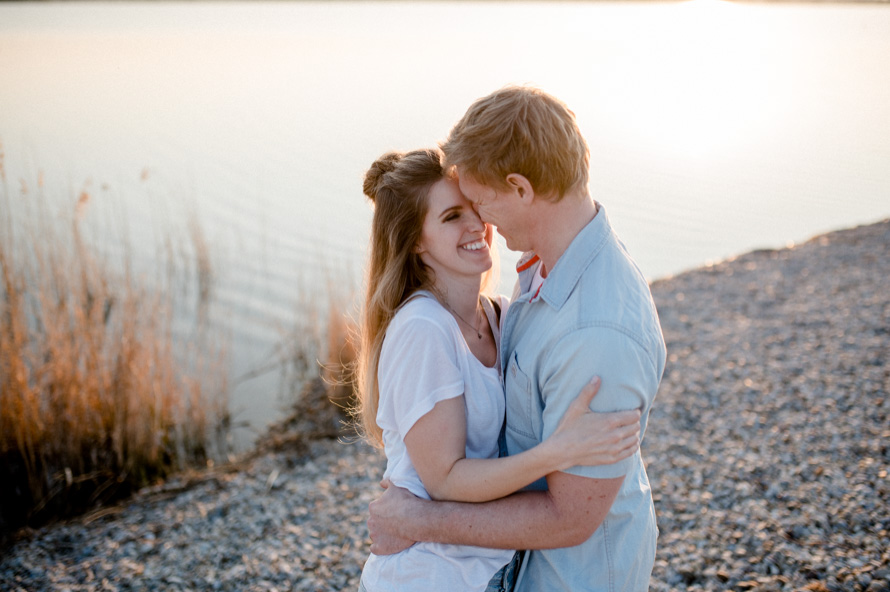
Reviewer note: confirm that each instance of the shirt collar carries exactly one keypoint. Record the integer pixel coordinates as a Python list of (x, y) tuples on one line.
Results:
[(581, 252)]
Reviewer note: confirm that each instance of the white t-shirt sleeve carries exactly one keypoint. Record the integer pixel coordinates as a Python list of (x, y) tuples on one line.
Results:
[(418, 368)]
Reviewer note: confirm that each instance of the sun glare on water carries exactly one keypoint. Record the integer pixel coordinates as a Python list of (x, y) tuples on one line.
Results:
[(699, 80)]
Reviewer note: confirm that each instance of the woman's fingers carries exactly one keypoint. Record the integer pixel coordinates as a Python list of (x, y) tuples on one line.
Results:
[(630, 443), (613, 436), (582, 401), (618, 424), (631, 429), (581, 404), (606, 437), (622, 448), (626, 418)]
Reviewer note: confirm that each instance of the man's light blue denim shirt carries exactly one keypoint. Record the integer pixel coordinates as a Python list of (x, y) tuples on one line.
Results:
[(594, 315)]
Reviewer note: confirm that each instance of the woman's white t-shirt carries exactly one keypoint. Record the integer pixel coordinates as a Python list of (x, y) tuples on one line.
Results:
[(425, 360)]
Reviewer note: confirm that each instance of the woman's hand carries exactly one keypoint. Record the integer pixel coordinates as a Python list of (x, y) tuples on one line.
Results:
[(584, 437)]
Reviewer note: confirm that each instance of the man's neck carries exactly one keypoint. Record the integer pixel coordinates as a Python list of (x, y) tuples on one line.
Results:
[(558, 223)]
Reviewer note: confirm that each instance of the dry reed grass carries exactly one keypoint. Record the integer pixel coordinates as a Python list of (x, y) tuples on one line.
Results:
[(94, 399), (342, 356), (317, 361)]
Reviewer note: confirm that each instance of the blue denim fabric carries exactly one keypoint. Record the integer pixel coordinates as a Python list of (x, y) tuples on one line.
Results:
[(505, 579), (594, 315)]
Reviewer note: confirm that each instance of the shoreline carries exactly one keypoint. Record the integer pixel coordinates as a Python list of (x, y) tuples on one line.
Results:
[(766, 451)]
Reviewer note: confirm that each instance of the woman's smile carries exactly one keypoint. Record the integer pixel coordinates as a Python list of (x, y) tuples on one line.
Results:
[(454, 241), (475, 245)]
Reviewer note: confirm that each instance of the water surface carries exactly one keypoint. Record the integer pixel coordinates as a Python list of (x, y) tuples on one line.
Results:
[(714, 128)]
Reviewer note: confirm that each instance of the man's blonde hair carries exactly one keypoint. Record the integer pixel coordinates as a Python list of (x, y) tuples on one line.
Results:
[(520, 129)]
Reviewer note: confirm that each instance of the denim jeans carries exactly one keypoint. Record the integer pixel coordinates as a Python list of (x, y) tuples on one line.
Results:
[(505, 579)]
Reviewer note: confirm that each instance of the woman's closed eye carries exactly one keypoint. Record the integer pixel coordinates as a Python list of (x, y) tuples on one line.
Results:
[(452, 214)]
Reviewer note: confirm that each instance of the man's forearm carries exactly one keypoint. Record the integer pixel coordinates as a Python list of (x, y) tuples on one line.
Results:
[(524, 520), (567, 514)]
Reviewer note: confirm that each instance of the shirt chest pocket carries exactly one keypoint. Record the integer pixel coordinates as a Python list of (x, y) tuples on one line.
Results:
[(524, 417)]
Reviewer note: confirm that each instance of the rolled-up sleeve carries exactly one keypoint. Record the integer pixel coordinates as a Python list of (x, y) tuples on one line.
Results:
[(629, 381)]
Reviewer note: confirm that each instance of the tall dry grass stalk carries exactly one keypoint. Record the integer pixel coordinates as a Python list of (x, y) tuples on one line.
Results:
[(94, 400), (316, 360), (339, 370)]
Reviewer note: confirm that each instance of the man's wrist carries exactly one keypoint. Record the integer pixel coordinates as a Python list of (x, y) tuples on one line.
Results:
[(416, 523)]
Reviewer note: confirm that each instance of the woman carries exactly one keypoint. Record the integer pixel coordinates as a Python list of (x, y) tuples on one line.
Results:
[(430, 390)]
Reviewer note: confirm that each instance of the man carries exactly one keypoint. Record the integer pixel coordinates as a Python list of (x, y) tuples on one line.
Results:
[(581, 305)]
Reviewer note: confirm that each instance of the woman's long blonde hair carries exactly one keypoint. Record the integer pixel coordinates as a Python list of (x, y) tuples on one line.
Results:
[(398, 184)]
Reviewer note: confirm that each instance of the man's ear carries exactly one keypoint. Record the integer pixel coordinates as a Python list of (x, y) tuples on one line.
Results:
[(521, 185)]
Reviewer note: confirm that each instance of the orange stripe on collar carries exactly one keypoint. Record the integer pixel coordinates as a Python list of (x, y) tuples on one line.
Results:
[(527, 264)]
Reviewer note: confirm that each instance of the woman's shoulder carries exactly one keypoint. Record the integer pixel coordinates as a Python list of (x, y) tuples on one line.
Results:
[(501, 301), (421, 307), (500, 304), (421, 323)]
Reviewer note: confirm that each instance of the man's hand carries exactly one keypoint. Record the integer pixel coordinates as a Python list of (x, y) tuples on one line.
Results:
[(386, 513)]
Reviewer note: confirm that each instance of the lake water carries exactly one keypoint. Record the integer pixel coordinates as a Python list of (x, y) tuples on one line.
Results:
[(714, 128)]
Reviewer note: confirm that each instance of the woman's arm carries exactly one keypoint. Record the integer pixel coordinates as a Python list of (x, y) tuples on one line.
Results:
[(437, 446)]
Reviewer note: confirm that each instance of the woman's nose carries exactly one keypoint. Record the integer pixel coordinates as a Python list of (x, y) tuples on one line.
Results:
[(475, 221)]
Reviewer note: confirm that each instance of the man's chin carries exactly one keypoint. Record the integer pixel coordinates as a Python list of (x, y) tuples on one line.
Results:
[(513, 246)]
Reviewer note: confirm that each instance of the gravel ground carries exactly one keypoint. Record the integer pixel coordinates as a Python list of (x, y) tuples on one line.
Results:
[(767, 451), (768, 446)]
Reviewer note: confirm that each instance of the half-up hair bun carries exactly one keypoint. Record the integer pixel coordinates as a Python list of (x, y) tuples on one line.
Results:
[(399, 184), (374, 178)]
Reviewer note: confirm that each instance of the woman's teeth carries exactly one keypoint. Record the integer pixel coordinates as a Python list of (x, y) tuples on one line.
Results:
[(480, 244)]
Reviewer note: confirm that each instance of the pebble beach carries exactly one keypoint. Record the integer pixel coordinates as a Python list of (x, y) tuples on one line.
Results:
[(767, 451)]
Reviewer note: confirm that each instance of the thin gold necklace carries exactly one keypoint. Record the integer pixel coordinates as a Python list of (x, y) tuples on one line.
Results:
[(460, 318)]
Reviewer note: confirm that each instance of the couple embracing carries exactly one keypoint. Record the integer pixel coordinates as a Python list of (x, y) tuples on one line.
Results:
[(507, 425)]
